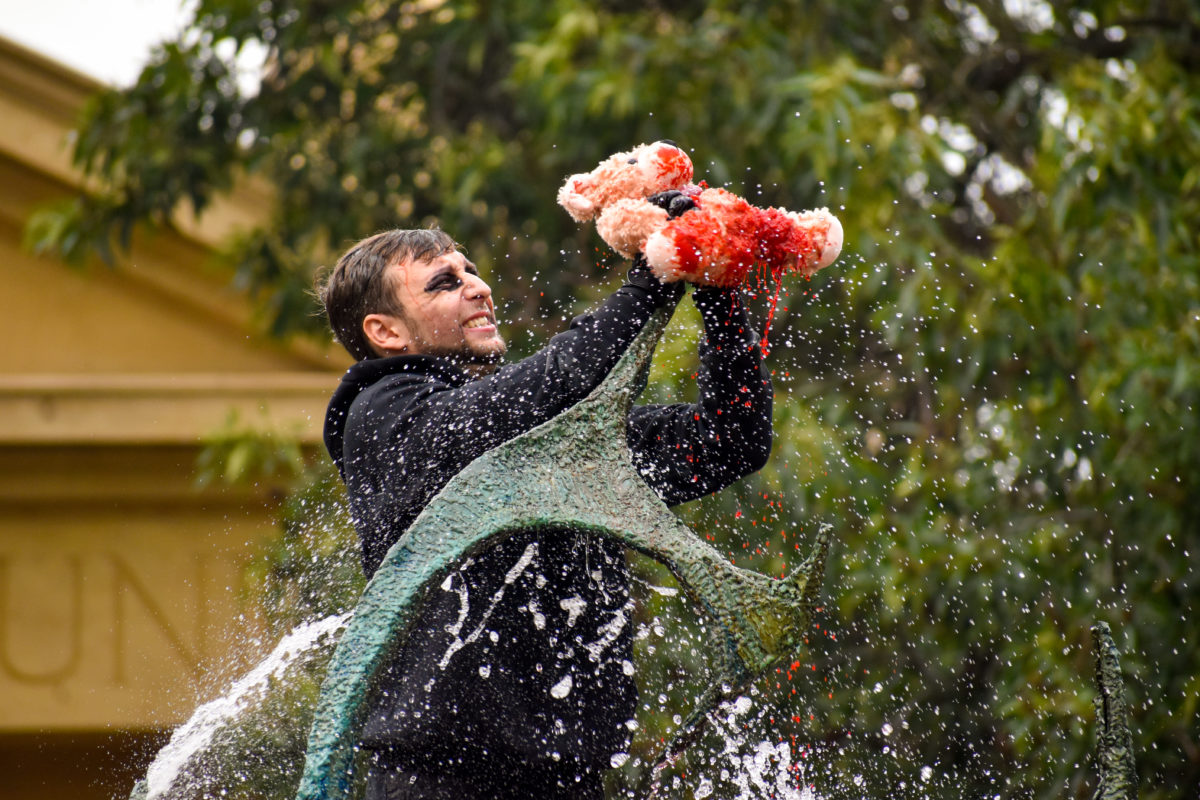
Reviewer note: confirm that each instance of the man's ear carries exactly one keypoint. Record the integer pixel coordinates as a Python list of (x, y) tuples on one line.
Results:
[(387, 334)]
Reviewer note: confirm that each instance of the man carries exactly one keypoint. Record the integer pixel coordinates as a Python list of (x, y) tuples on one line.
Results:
[(517, 679)]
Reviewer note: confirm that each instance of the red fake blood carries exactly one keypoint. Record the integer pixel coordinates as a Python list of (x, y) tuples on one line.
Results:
[(724, 238), (780, 251), (674, 164)]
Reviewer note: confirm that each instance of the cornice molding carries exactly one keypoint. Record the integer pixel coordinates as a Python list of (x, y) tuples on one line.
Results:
[(53, 88), (157, 409)]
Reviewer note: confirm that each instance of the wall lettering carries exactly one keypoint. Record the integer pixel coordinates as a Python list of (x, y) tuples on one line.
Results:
[(129, 589), (66, 640)]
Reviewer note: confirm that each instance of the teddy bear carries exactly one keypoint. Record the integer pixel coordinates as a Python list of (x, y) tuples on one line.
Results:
[(716, 243)]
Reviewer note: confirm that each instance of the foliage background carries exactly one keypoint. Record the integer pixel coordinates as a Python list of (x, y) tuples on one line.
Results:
[(992, 397)]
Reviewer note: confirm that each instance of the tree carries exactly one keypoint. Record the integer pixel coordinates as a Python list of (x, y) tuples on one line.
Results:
[(992, 398)]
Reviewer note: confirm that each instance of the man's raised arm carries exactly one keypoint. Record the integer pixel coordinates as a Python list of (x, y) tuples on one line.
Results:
[(686, 450), (456, 420)]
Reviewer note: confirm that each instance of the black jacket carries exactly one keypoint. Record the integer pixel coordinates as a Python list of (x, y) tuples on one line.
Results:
[(525, 649)]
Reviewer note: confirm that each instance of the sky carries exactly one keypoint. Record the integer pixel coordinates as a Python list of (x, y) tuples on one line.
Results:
[(107, 39)]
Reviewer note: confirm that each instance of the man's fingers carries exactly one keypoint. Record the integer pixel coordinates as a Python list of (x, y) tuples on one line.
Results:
[(663, 199), (680, 204), (674, 202)]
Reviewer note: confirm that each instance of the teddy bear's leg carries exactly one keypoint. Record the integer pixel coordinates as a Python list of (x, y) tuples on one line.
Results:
[(704, 248), (823, 238), (833, 243)]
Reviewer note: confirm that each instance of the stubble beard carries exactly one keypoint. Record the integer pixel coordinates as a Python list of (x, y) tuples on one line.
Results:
[(477, 361)]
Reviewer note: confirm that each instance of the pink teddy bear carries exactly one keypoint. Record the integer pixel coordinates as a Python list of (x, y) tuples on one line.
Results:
[(717, 243)]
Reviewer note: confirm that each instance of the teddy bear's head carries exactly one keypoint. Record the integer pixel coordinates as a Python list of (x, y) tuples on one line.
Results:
[(645, 170)]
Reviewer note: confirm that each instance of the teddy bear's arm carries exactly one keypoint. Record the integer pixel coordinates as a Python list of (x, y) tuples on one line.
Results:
[(627, 224), (572, 197)]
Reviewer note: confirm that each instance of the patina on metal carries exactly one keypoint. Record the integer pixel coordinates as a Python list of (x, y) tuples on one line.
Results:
[(573, 472)]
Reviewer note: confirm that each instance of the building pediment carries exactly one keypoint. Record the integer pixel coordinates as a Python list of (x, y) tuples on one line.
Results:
[(157, 347)]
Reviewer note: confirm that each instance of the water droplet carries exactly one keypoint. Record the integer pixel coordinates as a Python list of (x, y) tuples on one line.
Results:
[(561, 689)]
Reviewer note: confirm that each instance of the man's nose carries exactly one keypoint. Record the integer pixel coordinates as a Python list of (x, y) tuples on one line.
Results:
[(476, 287)]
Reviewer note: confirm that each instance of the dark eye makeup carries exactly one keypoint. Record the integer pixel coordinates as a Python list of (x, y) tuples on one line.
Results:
[(441, 281), (448, 279)]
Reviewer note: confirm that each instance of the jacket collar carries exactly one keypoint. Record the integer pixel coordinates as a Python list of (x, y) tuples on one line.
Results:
[(367, 373)]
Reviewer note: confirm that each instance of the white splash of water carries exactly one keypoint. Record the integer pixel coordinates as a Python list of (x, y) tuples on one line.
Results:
[(195, 734), (574, 606), (609, 633), (527, 557), (758, 769)]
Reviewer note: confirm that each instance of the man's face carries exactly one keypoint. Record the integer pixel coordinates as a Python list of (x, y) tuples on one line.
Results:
[(448, 309)]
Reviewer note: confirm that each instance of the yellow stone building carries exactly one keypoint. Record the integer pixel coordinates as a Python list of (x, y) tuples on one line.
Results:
[(121, 602)]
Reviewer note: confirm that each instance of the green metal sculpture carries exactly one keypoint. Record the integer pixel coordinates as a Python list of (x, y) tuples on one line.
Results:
[(573, 472)]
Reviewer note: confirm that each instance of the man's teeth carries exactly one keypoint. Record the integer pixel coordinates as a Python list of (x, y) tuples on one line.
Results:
[(477, 322)]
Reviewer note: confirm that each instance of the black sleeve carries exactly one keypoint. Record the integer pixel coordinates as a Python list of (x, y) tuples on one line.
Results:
[(685, 451), (443, 427)]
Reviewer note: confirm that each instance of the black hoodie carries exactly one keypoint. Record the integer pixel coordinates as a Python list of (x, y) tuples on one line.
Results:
[(525, 649)]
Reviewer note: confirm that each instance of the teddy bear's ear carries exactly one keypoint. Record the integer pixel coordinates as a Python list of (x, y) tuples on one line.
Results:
[(571, 197), (665, 165)]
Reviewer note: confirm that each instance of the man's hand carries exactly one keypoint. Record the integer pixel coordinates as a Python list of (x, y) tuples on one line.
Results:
[(643, 277), (674, 202)]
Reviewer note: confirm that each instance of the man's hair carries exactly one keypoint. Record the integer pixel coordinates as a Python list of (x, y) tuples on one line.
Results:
[(358, 285)]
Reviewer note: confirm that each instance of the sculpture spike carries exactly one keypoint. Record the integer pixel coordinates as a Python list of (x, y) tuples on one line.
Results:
[(765, 624), (1114, 741), (812, 569), (627, 380)]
